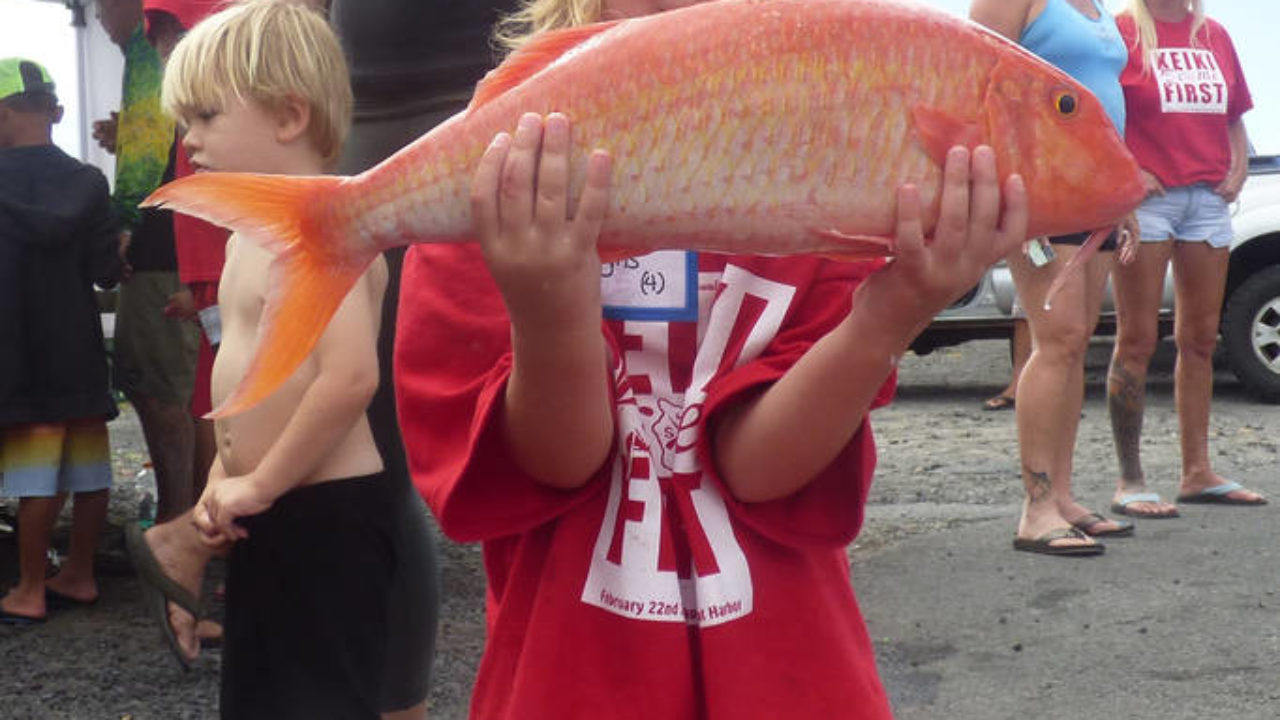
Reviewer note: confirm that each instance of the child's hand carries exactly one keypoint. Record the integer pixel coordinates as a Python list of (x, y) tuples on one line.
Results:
[(540, 246), (971, 234), (182, 305), (223, 502)]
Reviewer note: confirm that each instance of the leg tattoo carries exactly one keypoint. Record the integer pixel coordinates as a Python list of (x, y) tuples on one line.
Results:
[(1126, 400), (1037, 483)]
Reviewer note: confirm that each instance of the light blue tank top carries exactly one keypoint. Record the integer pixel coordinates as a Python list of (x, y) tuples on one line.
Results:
[(1091, 51)]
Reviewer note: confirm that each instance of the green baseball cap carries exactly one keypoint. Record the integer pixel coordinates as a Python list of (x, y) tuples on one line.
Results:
[(19, 76)]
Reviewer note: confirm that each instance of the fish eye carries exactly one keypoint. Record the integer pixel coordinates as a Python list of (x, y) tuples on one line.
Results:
[(1065, 103)]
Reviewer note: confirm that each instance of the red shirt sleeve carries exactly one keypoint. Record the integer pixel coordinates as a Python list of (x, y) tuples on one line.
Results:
[(829, 510), (452, 361), (1241, 100)]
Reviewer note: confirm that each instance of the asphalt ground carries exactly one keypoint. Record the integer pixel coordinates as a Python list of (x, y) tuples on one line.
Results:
[(1179, 621)]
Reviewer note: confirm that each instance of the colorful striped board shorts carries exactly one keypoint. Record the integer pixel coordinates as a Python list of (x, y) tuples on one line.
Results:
[(43, 460)]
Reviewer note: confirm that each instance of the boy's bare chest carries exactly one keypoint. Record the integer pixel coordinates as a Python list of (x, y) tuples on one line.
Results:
[(245, 285)]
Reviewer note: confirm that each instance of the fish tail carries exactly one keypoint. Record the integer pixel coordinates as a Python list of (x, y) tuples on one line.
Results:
[(315, 267)]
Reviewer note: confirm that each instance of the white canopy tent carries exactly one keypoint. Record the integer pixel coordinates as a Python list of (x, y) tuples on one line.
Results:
[(66, 36)]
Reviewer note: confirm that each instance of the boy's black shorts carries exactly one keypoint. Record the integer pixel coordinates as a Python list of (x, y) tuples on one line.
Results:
[(306, 605)]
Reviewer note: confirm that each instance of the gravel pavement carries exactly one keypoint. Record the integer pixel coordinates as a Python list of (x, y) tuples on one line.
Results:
[(947, 491)]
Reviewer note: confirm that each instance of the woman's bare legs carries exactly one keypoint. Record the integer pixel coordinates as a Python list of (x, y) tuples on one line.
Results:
[(1019, 351), (1051, 390), (1200, 274), (1139, 287)]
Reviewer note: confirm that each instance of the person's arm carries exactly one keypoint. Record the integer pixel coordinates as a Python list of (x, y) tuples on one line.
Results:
[(558, 407), (1007, 17), (773, 445), (103, 231), (346, 378), (1238, 139)]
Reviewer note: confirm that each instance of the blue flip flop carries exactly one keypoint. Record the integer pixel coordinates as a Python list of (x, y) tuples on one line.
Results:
[(1219, 495), (8, 618), (1121, 506)]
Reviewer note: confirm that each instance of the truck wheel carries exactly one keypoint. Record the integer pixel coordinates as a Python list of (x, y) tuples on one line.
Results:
[(1251, 334)]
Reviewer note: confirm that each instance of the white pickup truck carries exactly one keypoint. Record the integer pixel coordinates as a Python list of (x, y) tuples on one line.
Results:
[(1250, 331)]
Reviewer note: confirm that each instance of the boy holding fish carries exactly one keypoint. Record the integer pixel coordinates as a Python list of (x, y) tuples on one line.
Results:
[(665, 497), (297, 483)]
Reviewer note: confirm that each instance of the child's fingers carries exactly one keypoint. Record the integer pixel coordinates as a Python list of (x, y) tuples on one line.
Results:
[(1016, 214), (909, 236), (484, 187), (984, 196), (594, 202), (515, 203), (203, 520), (550, 209), (953, 210)]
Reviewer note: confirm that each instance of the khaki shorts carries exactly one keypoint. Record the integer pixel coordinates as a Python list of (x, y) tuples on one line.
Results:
[(154, 355)]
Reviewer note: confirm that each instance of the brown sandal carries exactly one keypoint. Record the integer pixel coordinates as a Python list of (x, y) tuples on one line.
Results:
[(1044, 544)]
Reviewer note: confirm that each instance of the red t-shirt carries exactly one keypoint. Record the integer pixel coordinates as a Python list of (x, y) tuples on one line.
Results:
[(201, 247), (650, 592), (1177, 114)]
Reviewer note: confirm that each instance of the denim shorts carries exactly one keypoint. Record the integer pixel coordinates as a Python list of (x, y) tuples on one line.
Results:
[(1192, 213)]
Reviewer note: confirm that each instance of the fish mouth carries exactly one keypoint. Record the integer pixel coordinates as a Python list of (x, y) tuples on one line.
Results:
[(1126, 199)]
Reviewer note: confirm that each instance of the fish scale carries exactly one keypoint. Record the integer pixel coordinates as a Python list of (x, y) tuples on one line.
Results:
[(740, 126)]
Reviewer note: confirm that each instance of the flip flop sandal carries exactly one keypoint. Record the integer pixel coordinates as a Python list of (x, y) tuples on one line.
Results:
[(160, 590), (1219, 495), (1044, 544), (1086, 523), (59, 601), (999, 402), (8, 618), (1121, 506)]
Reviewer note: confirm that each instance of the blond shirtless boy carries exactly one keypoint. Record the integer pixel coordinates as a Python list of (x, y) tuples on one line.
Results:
[(262, 87)]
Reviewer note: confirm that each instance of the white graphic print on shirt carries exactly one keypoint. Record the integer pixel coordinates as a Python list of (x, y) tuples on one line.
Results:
[(1189, 81), (666, 550)]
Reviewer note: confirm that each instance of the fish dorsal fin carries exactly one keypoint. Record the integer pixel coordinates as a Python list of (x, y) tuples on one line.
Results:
[(940, 131), (541, 50)]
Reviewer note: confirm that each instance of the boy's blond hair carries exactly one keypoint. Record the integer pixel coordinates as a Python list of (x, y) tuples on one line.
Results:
[(264, 51)]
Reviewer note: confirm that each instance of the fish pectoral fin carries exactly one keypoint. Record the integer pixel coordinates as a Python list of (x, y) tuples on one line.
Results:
[(306, 290), (541, 50), (940, 131), (855, 246)]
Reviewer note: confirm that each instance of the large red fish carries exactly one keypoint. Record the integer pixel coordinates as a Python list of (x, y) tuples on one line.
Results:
[(743, 126)]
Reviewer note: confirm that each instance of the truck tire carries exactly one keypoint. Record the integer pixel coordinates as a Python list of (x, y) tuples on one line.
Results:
[(1251, 334)]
